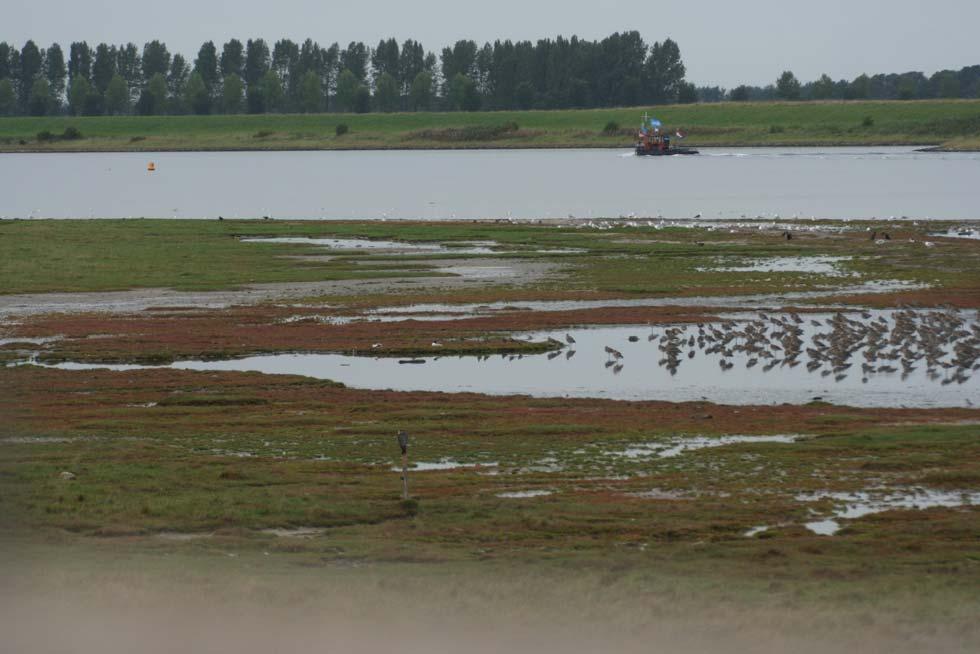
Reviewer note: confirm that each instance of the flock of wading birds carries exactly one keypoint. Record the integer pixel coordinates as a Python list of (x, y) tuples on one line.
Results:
[(943, 341)]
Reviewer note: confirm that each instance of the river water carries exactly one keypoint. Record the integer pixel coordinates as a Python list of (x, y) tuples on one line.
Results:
[(438, 185)]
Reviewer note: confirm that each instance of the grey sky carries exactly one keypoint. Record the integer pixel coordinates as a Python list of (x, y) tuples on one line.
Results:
[(723, 42)]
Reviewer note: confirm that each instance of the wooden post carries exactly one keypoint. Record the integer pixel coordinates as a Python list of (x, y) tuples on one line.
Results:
[(403, 443), (405, 476)]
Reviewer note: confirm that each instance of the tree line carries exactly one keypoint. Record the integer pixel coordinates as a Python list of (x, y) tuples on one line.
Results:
[(963, 83), (289, 77)]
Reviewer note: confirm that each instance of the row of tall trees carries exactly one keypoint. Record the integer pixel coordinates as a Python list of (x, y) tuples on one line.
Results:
[(963, 83), (253, 77)]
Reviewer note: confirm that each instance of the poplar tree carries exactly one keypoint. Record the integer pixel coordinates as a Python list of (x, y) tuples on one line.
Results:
[(232, 58), (347, 84), (311, 93), (232, 91), (117, 96), (196, 95), (55, 70), (787, 86), (156, 59), (156, 90), (40, 102), (420, 94), (256, 61), (77, 94), (79, 61), (8, 99), (207, 65), (103, 66), (664, 72), (31, 62), (129, 66), (386, 94), (355, 59)]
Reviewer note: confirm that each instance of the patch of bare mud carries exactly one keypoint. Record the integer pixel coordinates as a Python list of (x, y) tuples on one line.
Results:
[(457, 274)]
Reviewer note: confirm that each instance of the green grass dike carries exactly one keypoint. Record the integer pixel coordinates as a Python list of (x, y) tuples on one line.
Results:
[(946, 124)]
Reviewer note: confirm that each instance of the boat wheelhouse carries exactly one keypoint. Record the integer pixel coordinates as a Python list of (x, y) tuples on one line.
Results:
[(652, 140)]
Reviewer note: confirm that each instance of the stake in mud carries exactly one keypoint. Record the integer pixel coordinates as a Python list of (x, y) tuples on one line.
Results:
[(403, 443)]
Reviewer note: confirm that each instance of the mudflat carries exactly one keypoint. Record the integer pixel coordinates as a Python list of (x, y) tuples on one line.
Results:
[(132, 482)]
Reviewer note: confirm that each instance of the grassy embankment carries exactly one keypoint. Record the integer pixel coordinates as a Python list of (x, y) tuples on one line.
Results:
[(953, 124)]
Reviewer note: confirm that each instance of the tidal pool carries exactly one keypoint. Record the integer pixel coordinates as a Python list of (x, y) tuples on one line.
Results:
[(849, 506), (517, 495), (672, 447), (773, 300), (182, 536), (873, 361), (348, 244), (442, 464), (961, 232), (44, 340), (831, 266), (295, 532)]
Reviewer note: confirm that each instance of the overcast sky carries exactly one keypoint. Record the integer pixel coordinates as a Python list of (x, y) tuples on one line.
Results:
[(725, 42)]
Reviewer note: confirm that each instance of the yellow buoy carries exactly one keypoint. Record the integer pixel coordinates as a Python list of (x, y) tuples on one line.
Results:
[(151, 166)]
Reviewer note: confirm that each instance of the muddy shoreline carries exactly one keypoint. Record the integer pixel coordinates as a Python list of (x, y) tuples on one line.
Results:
[(467, 273)]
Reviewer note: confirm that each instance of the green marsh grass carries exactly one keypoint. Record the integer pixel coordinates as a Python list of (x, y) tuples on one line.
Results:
[(923, 122)]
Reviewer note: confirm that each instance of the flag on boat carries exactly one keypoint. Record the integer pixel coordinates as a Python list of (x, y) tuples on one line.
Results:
[(681, 134), (655, 122)]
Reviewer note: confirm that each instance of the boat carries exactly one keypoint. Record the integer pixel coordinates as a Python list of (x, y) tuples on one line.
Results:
[(652, 142)]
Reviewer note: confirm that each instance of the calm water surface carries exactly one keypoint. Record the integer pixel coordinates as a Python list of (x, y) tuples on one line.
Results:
[(438, 185), (584, 369)]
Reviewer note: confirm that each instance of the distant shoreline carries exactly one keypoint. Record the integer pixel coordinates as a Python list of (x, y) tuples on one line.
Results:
[(920, 147), (945, 125)]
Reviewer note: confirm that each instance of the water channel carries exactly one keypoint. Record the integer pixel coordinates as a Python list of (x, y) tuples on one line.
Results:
[(722, 183)]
